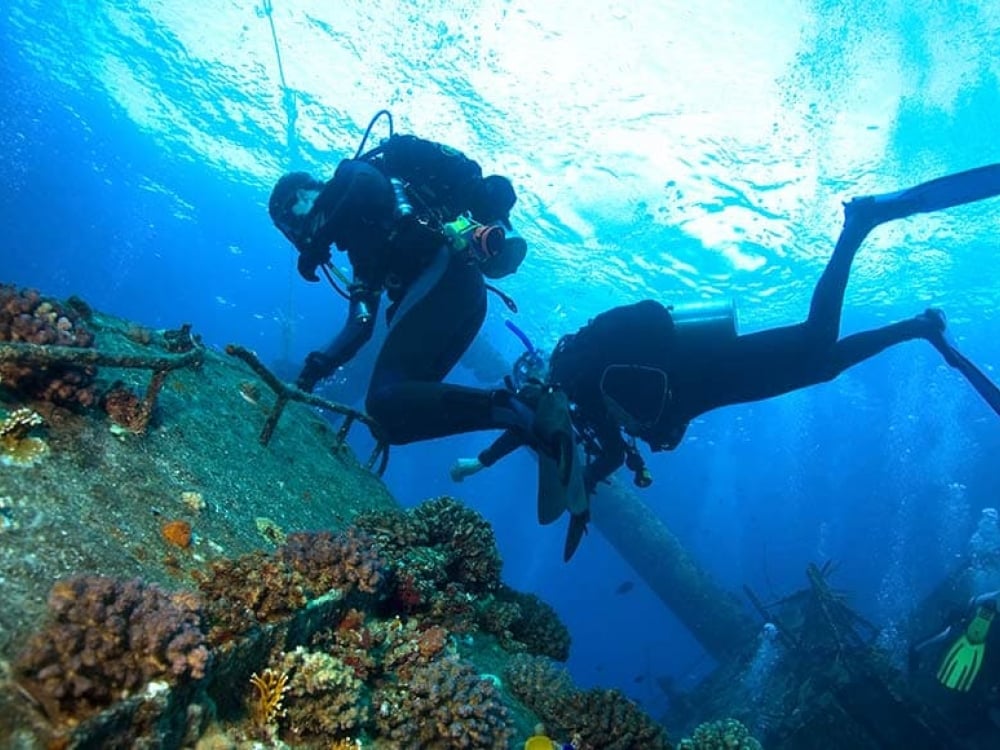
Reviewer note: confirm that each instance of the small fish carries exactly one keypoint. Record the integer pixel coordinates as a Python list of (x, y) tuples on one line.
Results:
[(639, 678), (624, 587)]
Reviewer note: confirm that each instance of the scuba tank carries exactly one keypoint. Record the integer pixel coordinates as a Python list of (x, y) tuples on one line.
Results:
[(703, 325)]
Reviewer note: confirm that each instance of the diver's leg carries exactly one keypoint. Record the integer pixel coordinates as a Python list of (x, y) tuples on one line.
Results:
[(435, 323), (934, 195), (929, 325), (856, 348), (770, 363), (863, 214)]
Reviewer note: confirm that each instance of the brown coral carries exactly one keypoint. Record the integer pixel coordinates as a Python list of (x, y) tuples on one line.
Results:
[(474, 558), (442, 704), (344, 561), (108, 638), (600, 718), (125, 408), (27, 317), (726, 734), (523, 622), (250, 589)]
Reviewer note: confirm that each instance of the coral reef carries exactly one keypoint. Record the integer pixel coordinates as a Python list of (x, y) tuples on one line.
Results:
[(523, 622), (325, 561), (442, 704), (260, 588), (17, 448), (443, 558), (726, 734), (127, 409), (324, 698), (397, 680), (473, 559), (246, 591), (108, 638), (27, 317), (604, 719)]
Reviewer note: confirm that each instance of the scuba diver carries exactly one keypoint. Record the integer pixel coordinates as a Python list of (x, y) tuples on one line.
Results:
[(643, 371), (964, 659), (420, 223)]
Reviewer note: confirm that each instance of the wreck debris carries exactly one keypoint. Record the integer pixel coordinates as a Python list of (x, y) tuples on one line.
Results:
[(285, 393)]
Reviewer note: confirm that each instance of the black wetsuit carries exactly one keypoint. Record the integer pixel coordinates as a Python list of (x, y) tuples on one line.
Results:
[(438, 296), (704, 375)]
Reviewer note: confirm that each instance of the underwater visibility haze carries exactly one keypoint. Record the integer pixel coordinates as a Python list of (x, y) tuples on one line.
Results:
[(681, 152)]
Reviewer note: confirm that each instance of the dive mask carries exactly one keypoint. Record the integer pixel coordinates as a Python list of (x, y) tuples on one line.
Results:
[(635, 396)]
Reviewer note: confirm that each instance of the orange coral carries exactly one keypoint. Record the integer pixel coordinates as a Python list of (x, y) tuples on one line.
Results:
[(177, 533), (269, 690)]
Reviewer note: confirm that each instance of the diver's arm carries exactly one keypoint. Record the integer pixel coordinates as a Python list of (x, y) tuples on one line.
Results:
[(915, 653), (983, 598), (937, 638), (357, 331), (508, 442)]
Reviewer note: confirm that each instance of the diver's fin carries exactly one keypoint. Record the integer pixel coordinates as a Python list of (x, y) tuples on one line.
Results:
[(576, 492), (976, 377), (574, 535), (551, 491), (554, 497), (961, 664), (934, 195), (553, 427)]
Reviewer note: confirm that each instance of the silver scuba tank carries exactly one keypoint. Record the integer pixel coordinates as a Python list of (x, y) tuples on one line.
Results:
[(704, 324)]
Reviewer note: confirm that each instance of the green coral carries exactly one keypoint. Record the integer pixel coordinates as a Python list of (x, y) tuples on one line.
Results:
[(726, 734)]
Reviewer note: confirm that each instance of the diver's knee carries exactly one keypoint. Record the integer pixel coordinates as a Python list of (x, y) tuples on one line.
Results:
[(378, 403)]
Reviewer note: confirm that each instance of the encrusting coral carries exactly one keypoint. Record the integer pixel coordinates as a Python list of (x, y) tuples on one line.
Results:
[(107, 639), (17, 448)]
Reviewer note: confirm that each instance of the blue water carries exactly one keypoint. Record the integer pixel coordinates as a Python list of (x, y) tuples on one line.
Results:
[(676, 152)]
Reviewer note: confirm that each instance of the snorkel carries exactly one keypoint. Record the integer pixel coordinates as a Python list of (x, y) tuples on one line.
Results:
[(530, 365)]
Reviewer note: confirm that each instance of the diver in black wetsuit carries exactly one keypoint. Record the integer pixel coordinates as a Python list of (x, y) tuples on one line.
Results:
[(393, 210), (632, 370)]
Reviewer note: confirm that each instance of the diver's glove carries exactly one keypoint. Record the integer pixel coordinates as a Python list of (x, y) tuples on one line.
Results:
[(310, 260), (317, 367), (465, 467), (641, 477)]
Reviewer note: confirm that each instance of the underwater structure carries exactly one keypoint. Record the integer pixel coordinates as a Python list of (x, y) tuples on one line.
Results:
[(716, 618)]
